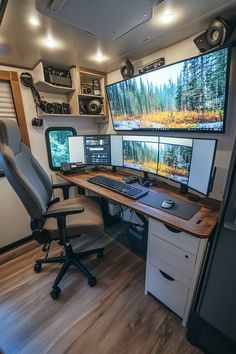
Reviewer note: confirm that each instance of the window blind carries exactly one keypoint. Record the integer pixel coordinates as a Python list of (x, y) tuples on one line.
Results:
[(7, 108)]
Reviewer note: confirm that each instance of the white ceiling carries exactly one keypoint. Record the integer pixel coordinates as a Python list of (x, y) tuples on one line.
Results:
[(24, 46)]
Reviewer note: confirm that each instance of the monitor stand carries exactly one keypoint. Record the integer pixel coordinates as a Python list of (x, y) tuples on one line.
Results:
[(145, 181), (113, 169), (183, 189)]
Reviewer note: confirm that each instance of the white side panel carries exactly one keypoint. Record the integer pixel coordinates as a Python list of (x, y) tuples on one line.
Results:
[(116, 150), (76, 148), (202, 156)]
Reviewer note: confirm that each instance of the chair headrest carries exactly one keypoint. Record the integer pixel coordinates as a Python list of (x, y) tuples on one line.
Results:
[(10, 134)]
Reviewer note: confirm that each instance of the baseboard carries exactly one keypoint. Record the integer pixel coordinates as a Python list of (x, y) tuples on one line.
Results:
[(207, 338), (15, 244)]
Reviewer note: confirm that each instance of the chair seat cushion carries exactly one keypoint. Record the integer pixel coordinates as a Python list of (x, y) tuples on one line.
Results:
[(88, 222)]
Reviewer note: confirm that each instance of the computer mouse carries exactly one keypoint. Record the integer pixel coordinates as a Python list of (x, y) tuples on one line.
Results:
[(167, 204)]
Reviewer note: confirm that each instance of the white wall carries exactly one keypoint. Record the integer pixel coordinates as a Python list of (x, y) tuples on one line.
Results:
[(179, 51), (14, 221)]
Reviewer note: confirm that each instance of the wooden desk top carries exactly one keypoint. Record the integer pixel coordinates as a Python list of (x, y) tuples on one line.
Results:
[(201, 225)]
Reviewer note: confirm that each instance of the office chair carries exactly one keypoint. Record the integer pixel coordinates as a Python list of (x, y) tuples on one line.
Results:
[(51, 219)]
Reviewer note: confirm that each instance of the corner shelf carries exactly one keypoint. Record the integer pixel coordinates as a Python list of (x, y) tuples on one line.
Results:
[(73, 95), (86, 77)]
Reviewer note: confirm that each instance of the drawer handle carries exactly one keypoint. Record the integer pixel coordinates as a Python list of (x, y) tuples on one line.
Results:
[(172, 229), (168, 277)]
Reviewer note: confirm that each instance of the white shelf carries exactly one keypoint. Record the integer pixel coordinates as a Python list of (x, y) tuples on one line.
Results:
[(86, 96), (92, 115), (49, 88), (52, 115)]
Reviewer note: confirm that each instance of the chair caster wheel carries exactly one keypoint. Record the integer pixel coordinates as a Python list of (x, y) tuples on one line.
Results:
[(55, 293), (100, 255), (92, 281), (37, 267)]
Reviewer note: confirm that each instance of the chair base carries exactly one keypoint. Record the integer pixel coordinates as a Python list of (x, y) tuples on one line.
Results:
[(70, 258)]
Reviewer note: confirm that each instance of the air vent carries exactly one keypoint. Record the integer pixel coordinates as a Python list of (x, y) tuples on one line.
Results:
[(105, 19), (145, 40), (57, 5)]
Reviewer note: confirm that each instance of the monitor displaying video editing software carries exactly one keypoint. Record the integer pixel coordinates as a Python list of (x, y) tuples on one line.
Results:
[(183, 160), (90, 149), (97, 149)]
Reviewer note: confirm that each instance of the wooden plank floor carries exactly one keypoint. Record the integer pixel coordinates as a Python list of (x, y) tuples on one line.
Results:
[(115, 317)]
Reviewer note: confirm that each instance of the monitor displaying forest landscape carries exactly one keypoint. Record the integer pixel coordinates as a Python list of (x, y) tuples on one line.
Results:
[(164, 156), (175, 159), (187, 96), (140, 153)]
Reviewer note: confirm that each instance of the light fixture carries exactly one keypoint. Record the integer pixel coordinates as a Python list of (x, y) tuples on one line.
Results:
[(50, 42), (34, 21), (167, 17), (100, 57)]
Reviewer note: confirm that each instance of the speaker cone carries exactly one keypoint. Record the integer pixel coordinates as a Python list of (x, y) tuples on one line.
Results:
[(93, 107), (217, 32), (127, 69)]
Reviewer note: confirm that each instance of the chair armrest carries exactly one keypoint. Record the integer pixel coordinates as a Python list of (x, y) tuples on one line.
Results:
[(60, 213), (65, 188)]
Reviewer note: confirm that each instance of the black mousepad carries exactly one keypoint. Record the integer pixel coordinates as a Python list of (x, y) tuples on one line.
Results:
[(182, 209)]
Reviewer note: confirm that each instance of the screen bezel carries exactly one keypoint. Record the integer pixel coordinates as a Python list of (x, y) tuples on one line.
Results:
[(180, 130)]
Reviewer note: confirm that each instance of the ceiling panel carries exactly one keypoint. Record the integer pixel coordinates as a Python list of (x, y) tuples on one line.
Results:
[(23, 45)]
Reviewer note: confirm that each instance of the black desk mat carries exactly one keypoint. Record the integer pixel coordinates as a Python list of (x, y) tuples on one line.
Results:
[(182, 209)]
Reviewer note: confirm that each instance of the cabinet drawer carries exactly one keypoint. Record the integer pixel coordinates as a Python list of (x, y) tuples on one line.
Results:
[(170, 254), (170, 292), (180, 239), (175, 273)]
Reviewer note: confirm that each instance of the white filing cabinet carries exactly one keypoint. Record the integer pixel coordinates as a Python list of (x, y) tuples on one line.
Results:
[(174, 262)]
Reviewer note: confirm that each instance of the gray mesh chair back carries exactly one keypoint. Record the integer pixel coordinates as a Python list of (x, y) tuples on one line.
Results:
[(23, 171)]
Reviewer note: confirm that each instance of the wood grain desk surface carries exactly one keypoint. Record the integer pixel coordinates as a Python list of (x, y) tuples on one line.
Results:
[(201, 225)]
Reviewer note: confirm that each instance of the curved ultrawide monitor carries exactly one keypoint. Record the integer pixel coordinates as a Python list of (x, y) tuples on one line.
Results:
[(190, 95)]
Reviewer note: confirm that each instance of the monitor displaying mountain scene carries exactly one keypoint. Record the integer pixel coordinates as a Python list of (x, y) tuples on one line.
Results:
[(175, 159), (140, 153), (190, 95)]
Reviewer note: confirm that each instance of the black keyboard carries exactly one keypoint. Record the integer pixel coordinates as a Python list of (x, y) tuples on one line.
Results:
[(119, 187)]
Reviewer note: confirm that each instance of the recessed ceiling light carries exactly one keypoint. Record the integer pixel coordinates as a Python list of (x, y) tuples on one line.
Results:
[(100, 57), (50, 42), (34, 21), (167, 17)]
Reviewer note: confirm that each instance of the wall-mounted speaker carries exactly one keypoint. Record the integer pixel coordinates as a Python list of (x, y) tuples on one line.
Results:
[(217, 34), (93, 106), (127, 69)]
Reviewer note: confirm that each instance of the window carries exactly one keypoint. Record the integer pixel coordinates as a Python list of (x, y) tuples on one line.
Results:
[(57, 145)]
